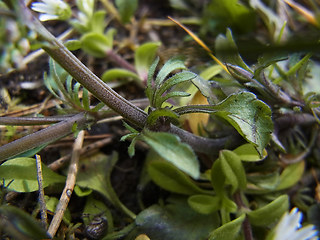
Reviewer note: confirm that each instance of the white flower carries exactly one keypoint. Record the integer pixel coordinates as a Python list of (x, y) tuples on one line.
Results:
[(289, 228), (52, 10)]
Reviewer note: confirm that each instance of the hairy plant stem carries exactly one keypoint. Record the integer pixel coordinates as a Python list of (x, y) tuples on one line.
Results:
[(102, 91), (44, 136)]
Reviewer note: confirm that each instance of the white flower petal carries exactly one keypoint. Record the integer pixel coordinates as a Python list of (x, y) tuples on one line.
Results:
[(47, 17)]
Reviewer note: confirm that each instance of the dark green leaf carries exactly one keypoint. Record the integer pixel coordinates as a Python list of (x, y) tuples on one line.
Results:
[(21, 225), (229, 230), (171, 178), (169, 147), (175, 221), (249, 116), (162, 112), (204, 204), (171, 65), (24, 173), (269, 213)]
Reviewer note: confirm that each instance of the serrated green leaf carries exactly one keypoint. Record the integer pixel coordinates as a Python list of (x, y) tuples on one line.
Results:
[(291, 175), (249, 116), (161, 112), (269, 213), (119, 73), (96, 44), (24, 173), (248, 153), (171, 65), (149, 90), (169, 95), (21, 224), (126, 9), (170, 178), (204, 204), (144, 57), (169, 147), (229, 230), (174, 80)]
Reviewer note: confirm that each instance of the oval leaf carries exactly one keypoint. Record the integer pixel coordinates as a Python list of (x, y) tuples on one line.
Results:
[(269, 213), (248, 153), (170, 178), (170, 148), (229, 230), (23, 172), (291, 175), (204, 204)]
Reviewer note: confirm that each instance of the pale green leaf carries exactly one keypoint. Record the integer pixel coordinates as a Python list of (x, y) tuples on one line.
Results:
[(248, 153), (96, 44), (119, 73), (169, 147), (126, 9), (204, 204), (23, 172), (269, 213), (291, 175), (229, 230), (144, 57)]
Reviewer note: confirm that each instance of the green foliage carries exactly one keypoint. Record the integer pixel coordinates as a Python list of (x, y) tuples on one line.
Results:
[(269, 213), (97, 44), (175, 221), (160, 85), (228, 170), (21, 225), (204, 204), (143, 58), (170, 148), (229, 13), (23, 172), (249, 116), (169, 177), (126, 9), (63, 87), (229, 230)]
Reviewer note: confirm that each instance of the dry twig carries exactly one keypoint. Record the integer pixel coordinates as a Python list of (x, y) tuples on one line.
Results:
[(67, 191)]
